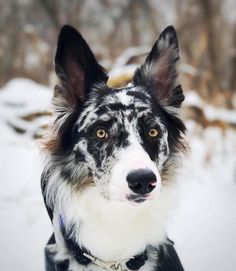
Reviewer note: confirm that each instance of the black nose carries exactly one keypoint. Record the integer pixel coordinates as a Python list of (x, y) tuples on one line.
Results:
[(141, 181)]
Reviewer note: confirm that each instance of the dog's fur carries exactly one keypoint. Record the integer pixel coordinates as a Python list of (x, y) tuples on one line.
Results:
[(84, 181)]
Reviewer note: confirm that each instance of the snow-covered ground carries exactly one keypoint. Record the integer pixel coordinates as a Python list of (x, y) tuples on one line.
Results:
[(203, 226), (24, 226)]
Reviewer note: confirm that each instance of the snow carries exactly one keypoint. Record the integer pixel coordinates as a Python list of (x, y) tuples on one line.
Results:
[(20, 98), (130, 52), (25, 96), (211, 112), (202, 226), (25, 226), (188, 69), (192, 98)]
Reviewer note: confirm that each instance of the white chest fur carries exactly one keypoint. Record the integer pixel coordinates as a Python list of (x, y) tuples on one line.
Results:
[(113, 230)]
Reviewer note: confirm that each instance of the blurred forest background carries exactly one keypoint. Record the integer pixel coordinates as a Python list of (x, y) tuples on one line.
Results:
[(121, 33), (206, 31)]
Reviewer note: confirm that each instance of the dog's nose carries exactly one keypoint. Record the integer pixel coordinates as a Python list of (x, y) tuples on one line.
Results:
[(141, 181)]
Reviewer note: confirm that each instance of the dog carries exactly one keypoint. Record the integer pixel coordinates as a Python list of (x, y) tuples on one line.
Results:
[(112, 157)]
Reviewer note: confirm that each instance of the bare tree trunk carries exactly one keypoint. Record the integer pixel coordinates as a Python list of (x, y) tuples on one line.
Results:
[(210, 10), (51, 9), (232, 80)]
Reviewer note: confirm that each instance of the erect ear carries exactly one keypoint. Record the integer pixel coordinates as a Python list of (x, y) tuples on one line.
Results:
[(159, 73), (76, 66)]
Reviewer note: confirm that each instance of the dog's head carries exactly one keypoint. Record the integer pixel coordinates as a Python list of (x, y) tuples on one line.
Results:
[(124, 141)]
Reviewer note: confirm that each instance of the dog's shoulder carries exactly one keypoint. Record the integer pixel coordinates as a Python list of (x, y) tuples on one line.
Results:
[(168, 259), (44, 181)]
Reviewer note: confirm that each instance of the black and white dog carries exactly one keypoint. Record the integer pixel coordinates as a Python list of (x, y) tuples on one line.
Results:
[(112, 159)]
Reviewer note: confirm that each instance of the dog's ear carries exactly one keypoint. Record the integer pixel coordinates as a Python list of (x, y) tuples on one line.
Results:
[(76, 66), (159, 74)]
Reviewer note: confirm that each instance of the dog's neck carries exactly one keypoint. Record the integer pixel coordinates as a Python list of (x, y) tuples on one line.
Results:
[(113, 231), (83, 256)]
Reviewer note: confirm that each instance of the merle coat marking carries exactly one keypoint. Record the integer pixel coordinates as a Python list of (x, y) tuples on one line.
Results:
[(112, 158)]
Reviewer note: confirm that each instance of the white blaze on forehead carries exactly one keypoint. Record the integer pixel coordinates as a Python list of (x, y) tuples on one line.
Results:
[(131, 158), (124, 98)]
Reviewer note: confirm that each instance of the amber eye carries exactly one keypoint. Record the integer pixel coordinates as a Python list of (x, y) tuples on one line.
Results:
[(153, 132), (101, 133)]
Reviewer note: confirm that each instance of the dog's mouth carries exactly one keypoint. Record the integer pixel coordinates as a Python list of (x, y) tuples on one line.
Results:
[(137, 198)]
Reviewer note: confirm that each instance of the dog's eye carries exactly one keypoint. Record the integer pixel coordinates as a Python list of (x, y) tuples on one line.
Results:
[(101, 133), (153, 132)]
